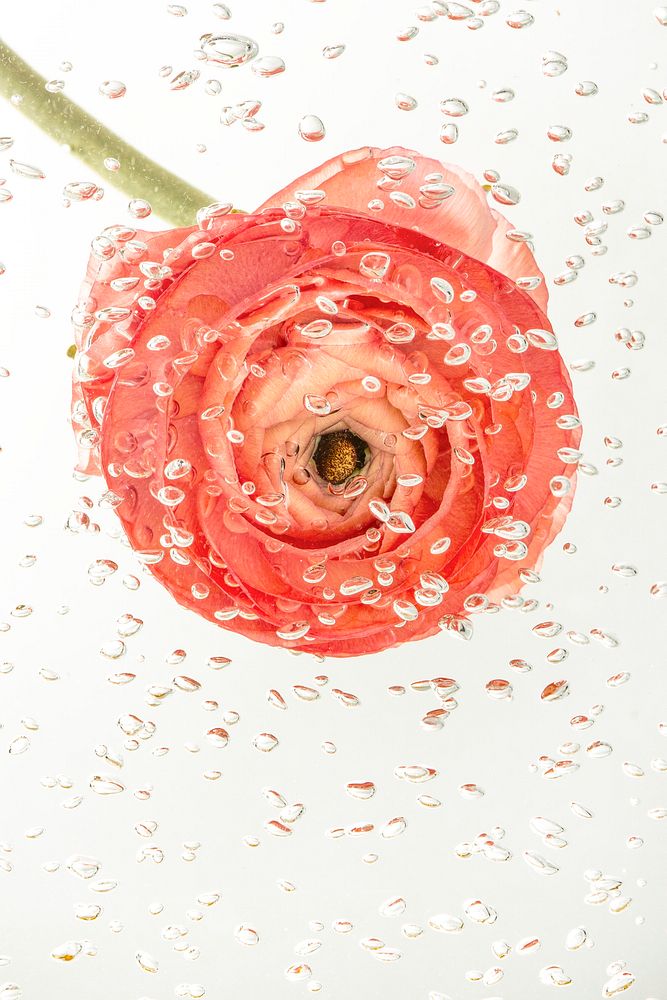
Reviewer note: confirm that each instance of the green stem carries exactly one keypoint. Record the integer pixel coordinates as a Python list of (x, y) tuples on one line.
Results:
[(171, 198)]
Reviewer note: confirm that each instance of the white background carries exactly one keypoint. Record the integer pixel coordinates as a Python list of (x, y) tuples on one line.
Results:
[(44, 248)]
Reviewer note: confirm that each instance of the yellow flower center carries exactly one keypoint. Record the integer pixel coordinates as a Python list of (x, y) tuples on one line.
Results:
[(338, 455)]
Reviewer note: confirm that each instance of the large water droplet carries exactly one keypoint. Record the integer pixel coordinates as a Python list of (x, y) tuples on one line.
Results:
[(228, 50)]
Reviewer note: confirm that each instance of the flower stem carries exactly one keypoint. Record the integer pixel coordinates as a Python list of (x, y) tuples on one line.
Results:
[(171, 198)]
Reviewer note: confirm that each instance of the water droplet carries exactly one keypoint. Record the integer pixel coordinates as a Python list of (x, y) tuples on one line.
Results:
[(598, 749), (454, 107), (374, 265), (268, 66), (19, 745), (449, 133), (311, 128), (499, 690), (265, 742), (520, 19), (139, 208), (112, 89), (539, 864), (27, 170), (446, 923), (454, 11), (528, 946), (228, 50), (394, 828), (67, 951), (504, 194), (407, 34), (618, 984), (146, 962), (559, 133), (507, 135), (405, 102)]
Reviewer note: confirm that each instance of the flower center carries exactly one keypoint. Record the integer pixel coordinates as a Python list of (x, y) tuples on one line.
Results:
[(338, 455)]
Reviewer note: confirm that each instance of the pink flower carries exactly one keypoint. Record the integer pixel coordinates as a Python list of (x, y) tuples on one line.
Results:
[(338, 423)]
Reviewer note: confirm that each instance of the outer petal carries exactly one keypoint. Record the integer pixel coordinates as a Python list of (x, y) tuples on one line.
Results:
[(121, 272), (465, 220)]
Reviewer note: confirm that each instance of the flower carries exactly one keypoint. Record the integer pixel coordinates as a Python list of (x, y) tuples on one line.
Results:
[(335, 424)]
